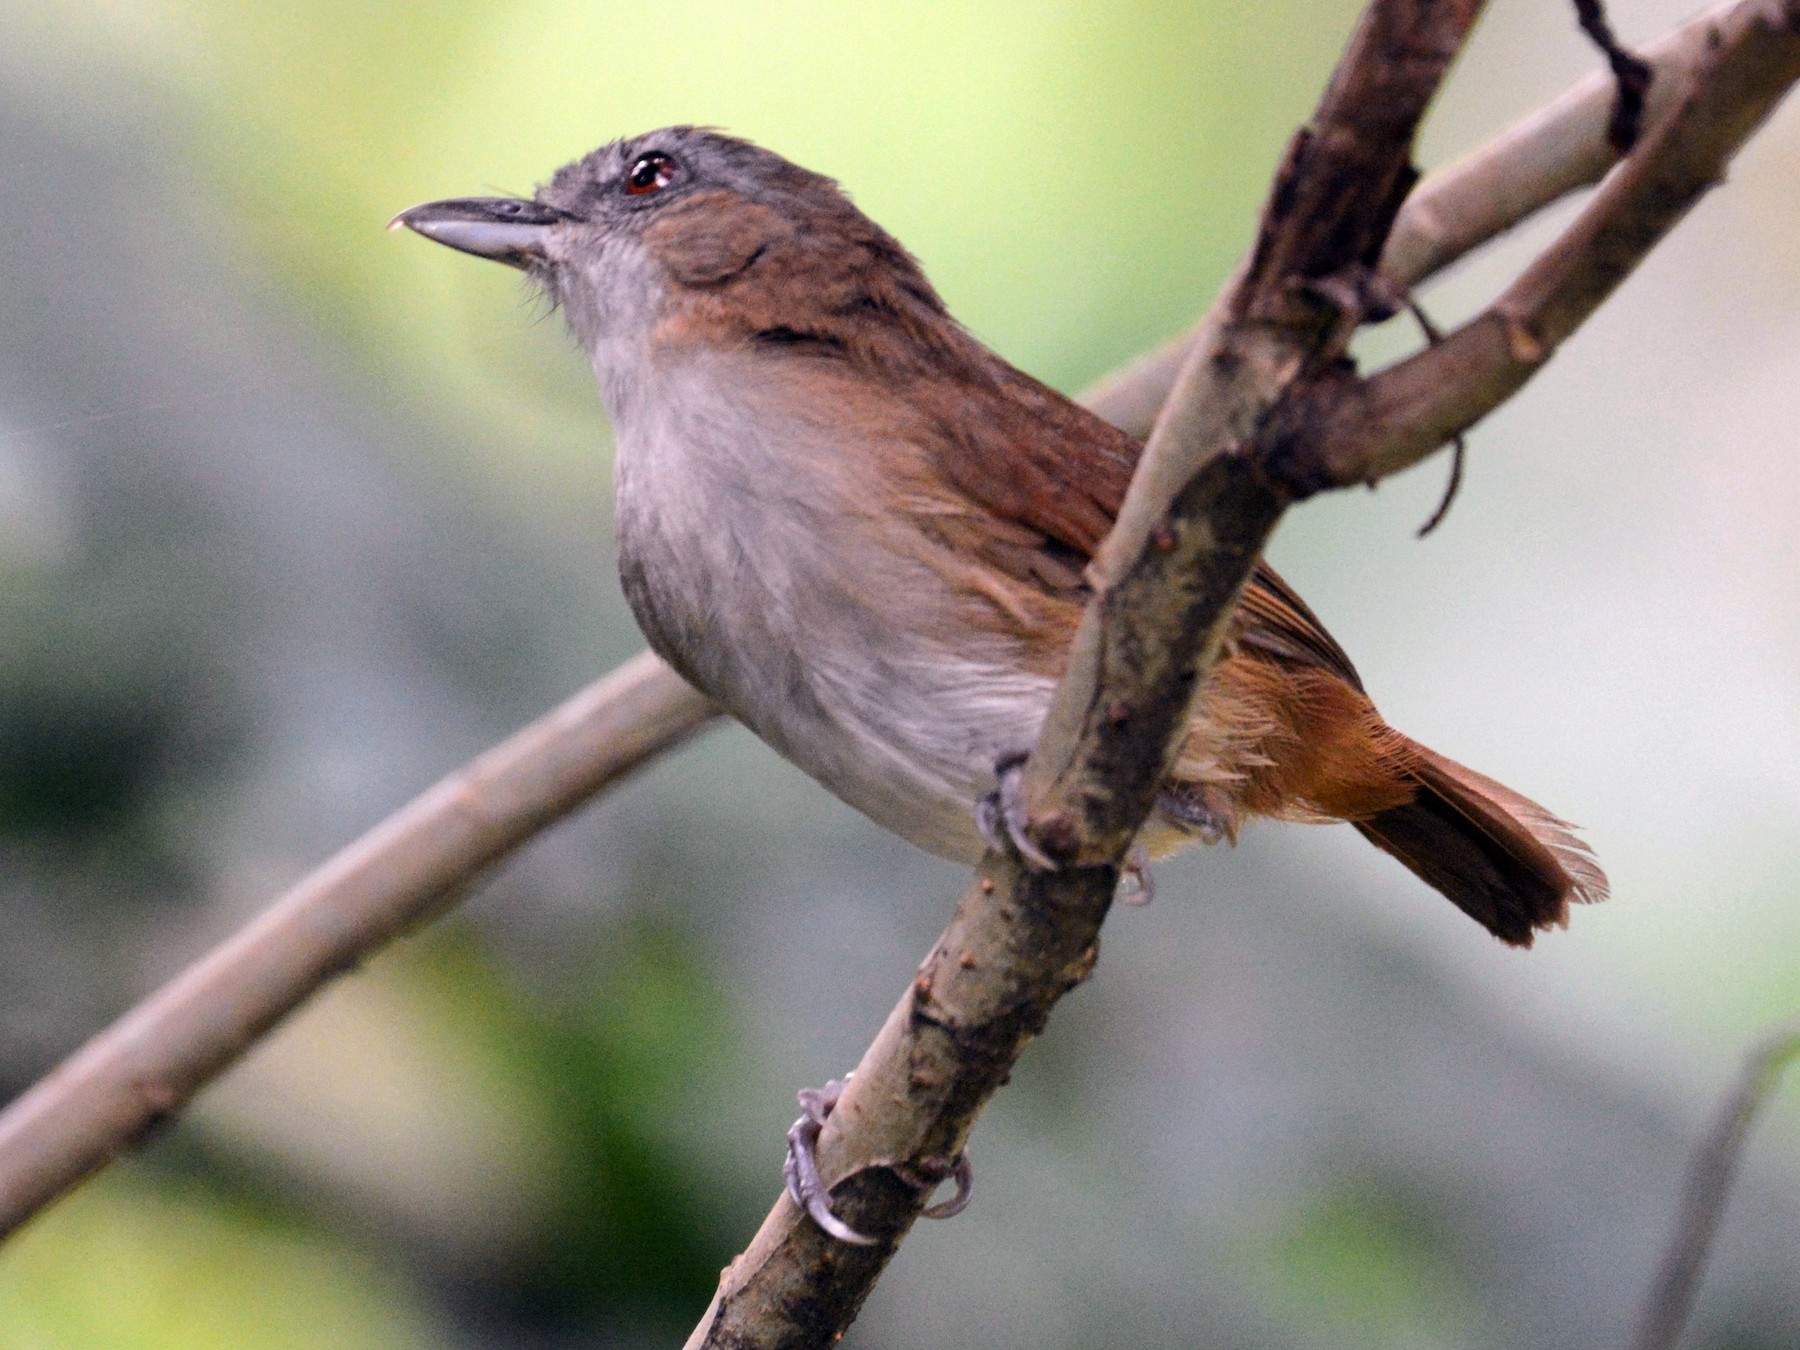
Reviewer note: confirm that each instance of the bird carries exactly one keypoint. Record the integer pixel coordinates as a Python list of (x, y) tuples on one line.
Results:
[(864, 534)]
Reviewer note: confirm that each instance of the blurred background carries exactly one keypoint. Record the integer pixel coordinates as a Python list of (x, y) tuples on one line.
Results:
[(295, 515)]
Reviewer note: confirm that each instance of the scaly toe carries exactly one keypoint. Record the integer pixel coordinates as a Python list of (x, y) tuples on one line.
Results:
[(800, 1171), (964, 1176), (1002, 813), (1205, 811)]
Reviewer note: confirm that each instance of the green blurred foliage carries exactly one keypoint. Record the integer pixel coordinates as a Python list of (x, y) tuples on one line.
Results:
[(1373, 1264), (116, 707), (130, 1265), (608, 1064)]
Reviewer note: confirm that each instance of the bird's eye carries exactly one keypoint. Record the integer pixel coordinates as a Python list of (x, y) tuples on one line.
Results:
[(649, 173)]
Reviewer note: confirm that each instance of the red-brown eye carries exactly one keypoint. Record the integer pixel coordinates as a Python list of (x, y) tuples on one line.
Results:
[(650, 172)]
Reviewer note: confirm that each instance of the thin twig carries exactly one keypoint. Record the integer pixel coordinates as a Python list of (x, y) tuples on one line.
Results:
[(1631, 75), (1459, 452), (1539, 160), (1362, 430), (1671, 1299), (145, 1067), (1459, 447)]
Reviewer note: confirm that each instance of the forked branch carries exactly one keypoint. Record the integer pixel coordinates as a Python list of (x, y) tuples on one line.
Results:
[(1366, 430), (1555, 151)]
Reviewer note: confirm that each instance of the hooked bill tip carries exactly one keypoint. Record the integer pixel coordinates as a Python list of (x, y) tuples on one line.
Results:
[(508, 230)]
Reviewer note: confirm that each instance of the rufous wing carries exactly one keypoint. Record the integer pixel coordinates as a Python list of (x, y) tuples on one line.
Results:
[(1038, 461)]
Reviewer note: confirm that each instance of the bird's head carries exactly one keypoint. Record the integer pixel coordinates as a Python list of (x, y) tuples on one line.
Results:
[(687, 234)]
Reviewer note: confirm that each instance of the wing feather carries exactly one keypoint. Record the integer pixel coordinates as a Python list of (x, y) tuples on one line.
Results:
[(1041, 461)]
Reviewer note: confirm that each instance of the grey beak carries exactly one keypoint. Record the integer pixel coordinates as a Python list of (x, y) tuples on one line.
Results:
[(510, 230)]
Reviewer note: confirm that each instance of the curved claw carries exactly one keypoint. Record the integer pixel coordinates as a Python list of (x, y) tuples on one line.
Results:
[(965, 1191), (800, 1172), (1004, 809), (1136, 885)]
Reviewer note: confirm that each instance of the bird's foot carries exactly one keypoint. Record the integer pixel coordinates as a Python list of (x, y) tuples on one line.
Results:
[(807, 1187), (801, 1170), (1001, 817), (926, 1175), (1136, 885), (1206, 811)]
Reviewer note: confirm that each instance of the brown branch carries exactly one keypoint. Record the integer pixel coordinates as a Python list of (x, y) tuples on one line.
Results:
[(1199, 511), (1677, 1281), (139, 1071), (1539, 160), (1202, 501), (1364, 430)]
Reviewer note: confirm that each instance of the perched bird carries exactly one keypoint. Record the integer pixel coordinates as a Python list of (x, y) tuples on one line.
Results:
[(863, 533)]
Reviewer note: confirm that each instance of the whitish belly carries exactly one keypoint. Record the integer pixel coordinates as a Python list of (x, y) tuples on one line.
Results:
[(877, 711), (828, 645), (770, 564)]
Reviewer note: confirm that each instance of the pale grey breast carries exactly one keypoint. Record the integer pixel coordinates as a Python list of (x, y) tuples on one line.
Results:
[(747, 541)]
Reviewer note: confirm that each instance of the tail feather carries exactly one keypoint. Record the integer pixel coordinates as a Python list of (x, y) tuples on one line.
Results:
[(1500, 857)]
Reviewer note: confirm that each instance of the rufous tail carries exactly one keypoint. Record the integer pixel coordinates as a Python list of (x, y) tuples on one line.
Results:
[(1504, 860)]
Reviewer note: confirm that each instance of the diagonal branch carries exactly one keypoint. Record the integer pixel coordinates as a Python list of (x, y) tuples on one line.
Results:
[(1284, 319), (139, 1071)]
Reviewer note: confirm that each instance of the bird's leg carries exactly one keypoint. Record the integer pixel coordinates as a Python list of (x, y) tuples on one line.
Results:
[(1003, 809), (807, 1187)]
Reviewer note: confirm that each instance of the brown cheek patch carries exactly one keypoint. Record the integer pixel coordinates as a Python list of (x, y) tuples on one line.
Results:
[(712, 236)]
